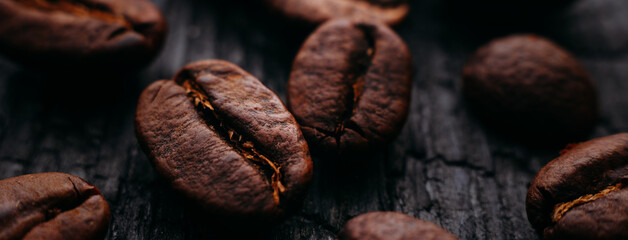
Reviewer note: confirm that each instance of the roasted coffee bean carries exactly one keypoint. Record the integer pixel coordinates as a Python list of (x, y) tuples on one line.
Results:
[(392, 226), (224, 140), (583, 194), (350, 86), (489, 9), (51, 206), (387, 11), (81, 34), (529, 86)]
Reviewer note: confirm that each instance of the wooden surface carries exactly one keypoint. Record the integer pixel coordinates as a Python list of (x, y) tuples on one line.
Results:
[(444, 167)]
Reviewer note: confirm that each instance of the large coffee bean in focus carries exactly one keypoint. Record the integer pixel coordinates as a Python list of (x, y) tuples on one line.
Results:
[(350, 86), (55, 206), (392, 226), (315, 12), (529, 87), (225, 141), (583, 194), (77, 35)]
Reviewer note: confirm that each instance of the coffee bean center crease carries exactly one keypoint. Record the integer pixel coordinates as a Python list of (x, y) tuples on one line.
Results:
[(356, 78), (51, 211), (562, 208), (240, 143)]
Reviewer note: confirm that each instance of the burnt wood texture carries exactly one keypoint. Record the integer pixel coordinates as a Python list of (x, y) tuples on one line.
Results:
[(445, 166)]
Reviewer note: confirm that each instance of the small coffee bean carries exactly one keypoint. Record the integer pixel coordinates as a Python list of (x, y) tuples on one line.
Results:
[(387, 11), (529, 86), (51, 206), (507, 10), (583, 194), (224, 140), (79, 34), (350, 86), (392, 226)]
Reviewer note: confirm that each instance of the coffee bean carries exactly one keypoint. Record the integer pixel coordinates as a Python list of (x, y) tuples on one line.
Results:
[(51, 206), (387, 11), (350, 86), (73, 35), (529, 86), (583, 193), (506, 10), (392, 226), (224, 140)]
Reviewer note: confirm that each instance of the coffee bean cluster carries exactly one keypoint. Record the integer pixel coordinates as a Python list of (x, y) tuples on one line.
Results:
[(229, 145)]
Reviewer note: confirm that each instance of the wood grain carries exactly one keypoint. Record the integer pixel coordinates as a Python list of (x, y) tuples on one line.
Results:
[(444, 167)]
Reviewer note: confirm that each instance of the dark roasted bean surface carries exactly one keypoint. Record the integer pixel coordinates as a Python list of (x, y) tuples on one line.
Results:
[(444, 166), (582, 194), (55, 206), (79, 35), (350, 85), (224, 140), (391, 226), (318, 11), (530, 87)]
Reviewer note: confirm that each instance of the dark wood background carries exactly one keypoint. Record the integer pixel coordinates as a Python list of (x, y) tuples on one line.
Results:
[(444, 167)]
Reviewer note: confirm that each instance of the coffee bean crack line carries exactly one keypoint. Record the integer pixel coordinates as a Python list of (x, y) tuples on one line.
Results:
[(562, 208), (239, 142), (52, 211), (356, 78)]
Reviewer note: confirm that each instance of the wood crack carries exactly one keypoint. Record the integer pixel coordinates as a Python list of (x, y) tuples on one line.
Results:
[(463, 164)]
